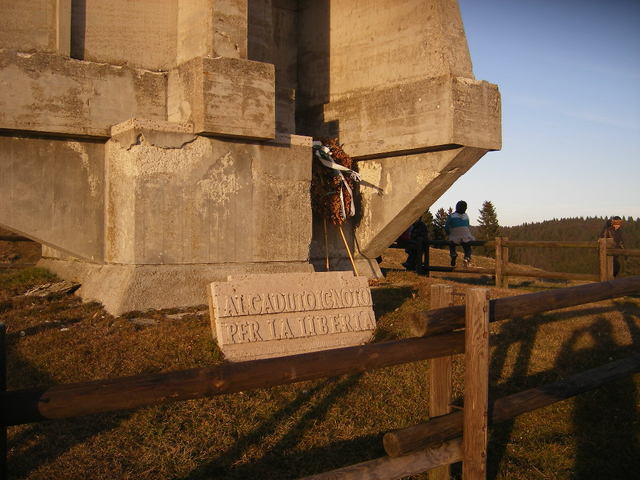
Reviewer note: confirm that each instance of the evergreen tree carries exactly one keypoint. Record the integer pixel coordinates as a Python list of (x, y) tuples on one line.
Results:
[(489, 227), (427, 218), (438, 225), (488, 220)]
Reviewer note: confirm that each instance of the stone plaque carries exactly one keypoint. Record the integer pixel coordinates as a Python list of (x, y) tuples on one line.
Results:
[(262, 316)]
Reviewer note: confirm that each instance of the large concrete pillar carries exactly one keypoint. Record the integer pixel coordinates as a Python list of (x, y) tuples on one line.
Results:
[(155, 146)]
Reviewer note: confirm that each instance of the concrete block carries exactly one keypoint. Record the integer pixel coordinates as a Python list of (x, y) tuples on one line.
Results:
[(397, 190), (425, 115), (28, 25), (125, 288), (49, 93), (230, 28), (384, 43), (264, 316), (52, 190), (209, 201), (122, 32), (224, 96)]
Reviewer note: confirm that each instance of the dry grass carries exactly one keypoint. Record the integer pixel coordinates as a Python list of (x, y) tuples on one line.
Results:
[(297, 430)]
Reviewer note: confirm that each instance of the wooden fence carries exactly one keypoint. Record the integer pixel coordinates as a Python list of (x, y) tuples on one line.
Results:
[(503, 271), (438, 343)]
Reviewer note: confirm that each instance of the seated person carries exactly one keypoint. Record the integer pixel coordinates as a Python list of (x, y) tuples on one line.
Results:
[(457, 227)]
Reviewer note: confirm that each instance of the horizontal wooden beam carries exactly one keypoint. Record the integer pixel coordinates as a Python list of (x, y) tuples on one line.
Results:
[(391, 468), (72, 400), (446, 319), (625, 252), (590, 277), (480, 270), (443, 428), (474, 243), (548, 244)]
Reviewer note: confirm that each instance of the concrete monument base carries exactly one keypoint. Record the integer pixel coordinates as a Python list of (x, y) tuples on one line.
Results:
[(125, 288)]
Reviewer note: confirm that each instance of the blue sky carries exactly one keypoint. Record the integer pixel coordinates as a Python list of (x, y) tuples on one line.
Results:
[(569, 75)]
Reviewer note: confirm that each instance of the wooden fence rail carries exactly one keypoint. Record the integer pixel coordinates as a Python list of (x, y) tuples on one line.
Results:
[(503, 271), (71, 400), (446, 319)]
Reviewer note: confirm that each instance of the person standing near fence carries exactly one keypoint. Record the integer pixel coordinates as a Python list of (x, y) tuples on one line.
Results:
[(613, 230), (457, 227), (415, 238)]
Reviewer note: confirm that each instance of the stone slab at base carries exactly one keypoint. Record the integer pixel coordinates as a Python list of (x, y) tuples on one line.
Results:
[(366, 267), (264, 316), (126, 288)]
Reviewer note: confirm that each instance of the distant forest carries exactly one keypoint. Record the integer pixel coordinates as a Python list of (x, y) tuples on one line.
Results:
[(575, 260)]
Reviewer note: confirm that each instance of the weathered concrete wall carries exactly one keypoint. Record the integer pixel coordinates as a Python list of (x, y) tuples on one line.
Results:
[(409, 184), (349, 46), (53, 94), (194, 30), (158, 34), (273, 37), (224, 96), (204, 200), (213, 28), (28, 25), (119, 32), (429, 114), (52, 190), (395, 78)]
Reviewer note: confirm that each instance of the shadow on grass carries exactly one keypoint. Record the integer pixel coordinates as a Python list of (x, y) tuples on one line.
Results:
[(483, 281), (605, 420), (387, 299), (32, 446), (282, 460)]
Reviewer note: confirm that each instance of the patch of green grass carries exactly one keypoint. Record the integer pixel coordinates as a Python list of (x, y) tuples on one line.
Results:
[(25, 278)]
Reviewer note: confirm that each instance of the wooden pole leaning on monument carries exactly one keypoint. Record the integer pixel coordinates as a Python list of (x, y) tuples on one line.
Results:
[(346, 245), (326, 245), (440, 376)]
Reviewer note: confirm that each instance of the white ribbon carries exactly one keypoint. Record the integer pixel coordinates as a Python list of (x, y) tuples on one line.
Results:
[(324, 155)]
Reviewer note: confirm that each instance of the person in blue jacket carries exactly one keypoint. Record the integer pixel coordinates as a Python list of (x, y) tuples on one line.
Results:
[(457, 227)]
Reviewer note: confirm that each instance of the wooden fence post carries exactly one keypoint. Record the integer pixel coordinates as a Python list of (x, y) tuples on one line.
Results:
[(3, 388), (427, 260), (605, 261), (502, 258), (499, 262), (505, 262), (476, 385), (440, 376)]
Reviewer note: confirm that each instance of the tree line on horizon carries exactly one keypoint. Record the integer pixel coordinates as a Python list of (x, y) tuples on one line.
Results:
[(572, 229)]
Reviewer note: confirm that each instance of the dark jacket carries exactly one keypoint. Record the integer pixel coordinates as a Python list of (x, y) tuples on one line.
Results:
[(616, 234)]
